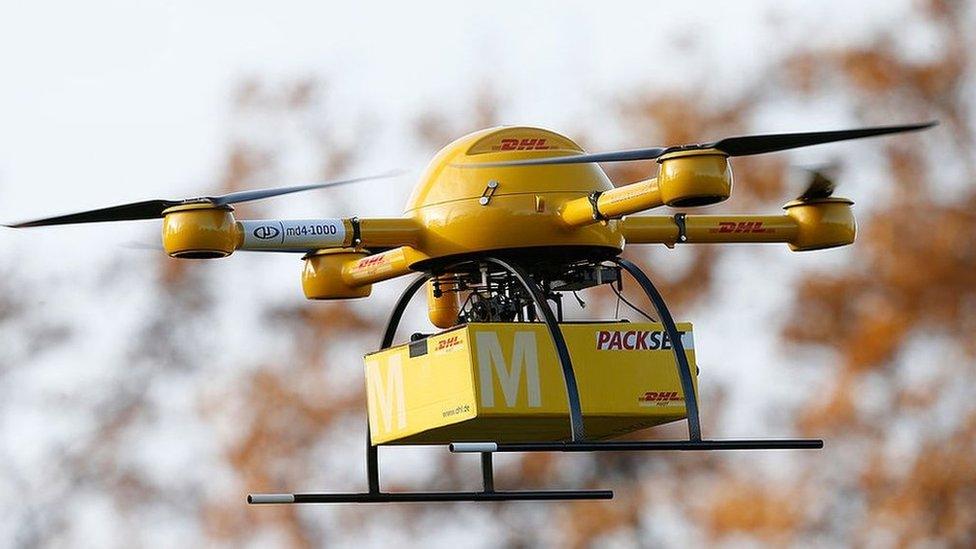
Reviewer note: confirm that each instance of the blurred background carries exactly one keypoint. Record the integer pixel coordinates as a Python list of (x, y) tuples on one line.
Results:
[(141, 397)]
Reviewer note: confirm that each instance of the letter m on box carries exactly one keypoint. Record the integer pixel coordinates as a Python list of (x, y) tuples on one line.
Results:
[(524, 359)]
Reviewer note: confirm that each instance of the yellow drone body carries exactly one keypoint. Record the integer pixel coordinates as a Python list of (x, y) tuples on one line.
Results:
[(478, 196), (474, 198)]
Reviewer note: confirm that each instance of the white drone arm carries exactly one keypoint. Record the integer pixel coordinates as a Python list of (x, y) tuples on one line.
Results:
[(294, 234)]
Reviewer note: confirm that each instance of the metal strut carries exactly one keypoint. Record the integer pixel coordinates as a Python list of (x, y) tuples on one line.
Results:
[(638, 445), (576, 431), (695, 442), (372, 453), (577, 442), (374, 495), (677, 346)]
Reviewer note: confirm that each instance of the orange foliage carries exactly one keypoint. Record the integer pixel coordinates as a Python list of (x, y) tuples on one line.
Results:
[(745, 506), (913, 271)]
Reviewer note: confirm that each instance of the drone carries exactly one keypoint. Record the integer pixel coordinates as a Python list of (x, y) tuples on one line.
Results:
[(501, 225)]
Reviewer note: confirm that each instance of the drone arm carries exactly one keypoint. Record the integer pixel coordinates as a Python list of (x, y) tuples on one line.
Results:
[(700, 229), (388, 232), (382, 266), (628, 199), (806, 226), (346, 273), (325, 233), (684, 179)]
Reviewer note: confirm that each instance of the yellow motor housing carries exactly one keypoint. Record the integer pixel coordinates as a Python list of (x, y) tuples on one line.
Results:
[(322, 277), (200, 231), (822, 223), (442, 305), (694, 178)]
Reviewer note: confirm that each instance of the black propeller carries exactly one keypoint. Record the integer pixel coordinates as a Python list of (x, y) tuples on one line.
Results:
[(153, 209), (819, 187), (733, 146)]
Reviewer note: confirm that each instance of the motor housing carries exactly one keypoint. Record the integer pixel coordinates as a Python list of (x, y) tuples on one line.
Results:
[(694, 178), (200, 231), (322, 277), (442, 303), (822, 223)]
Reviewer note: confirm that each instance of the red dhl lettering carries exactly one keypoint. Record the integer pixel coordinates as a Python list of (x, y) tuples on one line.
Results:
[(660, 397), (448, 342), (527, 144), (741, 227), (370, 261), (633, 340)]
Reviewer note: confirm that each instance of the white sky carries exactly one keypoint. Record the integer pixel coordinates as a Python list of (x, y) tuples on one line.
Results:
[(107, 101), (113, 100)]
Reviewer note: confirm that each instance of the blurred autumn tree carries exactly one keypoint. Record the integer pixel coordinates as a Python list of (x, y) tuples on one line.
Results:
[(901, 319), (907, 292), (898, 406), (896, 321)]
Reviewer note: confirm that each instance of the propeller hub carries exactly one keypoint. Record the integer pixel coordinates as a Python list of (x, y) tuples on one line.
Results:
[(822, 223), (826, 200)]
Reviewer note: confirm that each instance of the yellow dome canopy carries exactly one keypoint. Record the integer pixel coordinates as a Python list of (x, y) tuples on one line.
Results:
[(463, 208), (449, 176)]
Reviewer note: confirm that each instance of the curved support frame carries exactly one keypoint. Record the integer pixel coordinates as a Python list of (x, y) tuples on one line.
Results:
[(576, 429), (577, 432), (577, 442), (372, 454), (488, 493), (681, 359)]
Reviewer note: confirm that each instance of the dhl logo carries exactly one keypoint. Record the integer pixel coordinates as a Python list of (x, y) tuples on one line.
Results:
[(370, 261), (660, 398), (528, 144), (741, 227), (448, 343)]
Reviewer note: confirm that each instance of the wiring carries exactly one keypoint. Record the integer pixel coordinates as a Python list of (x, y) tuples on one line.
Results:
[(620, 297)]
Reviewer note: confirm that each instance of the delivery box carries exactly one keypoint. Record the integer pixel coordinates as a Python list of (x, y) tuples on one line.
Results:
[(502, 382)]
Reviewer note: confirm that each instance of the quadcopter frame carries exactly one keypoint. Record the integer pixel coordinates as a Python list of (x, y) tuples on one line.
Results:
[(577, 442)]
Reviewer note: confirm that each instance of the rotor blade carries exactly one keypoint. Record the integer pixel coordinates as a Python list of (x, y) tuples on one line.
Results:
[(153, 209), (258, 194), (759, 144), (733, 146), (820, 187), (142, 246), (145, 246), (614, 156), (147, 209)]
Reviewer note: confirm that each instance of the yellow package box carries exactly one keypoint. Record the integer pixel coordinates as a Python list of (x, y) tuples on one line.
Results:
[(502, 382)]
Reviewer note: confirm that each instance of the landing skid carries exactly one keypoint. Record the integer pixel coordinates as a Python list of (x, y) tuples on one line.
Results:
[(577, 442), (431, 497)]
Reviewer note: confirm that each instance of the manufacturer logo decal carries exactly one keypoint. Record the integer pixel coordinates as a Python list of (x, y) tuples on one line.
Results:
[(448, 344), (660, 398), (741, 227), (371, 261), (522, 145), (266, 232)]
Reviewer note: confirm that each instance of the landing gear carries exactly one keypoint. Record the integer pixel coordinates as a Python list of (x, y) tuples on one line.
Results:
[(536, 299)]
